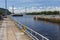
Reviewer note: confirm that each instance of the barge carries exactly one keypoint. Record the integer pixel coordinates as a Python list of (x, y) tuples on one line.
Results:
[(17, 14)]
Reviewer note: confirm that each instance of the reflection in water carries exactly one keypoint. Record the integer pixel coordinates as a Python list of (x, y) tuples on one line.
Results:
[(50, 30)]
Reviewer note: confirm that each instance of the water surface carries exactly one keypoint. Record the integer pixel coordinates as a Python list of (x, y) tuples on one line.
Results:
[(50, 30)]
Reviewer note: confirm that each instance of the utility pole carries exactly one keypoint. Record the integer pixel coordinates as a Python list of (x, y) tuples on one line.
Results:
[(25, 9), (6, 7), (13, 9)]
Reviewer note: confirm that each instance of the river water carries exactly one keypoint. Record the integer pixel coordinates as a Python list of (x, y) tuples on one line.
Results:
[(48, 29)]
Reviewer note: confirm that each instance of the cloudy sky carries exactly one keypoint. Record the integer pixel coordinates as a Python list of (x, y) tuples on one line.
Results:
[(21, 4)]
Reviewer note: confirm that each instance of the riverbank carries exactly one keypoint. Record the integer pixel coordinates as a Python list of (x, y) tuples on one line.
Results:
[(50, 18)]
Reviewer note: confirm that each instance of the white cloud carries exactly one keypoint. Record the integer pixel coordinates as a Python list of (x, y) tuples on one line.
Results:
[(12, 7), (34, 9)]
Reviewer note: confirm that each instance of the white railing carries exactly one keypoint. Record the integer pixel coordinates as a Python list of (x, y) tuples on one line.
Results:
[(33, 34)]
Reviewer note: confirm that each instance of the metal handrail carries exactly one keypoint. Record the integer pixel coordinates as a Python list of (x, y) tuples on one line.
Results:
[(35, 32), (29, 33)]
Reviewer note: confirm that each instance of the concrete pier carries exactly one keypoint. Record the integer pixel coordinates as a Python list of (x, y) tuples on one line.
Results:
[(50, 18), (10, 31)]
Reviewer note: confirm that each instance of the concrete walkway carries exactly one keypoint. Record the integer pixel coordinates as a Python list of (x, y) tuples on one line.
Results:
[(9, 31)]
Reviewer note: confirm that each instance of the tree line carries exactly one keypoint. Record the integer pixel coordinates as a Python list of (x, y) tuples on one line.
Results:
[(3, 11), (44, 13)]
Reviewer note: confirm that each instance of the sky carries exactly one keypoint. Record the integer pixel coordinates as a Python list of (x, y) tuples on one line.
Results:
[(30, 4)]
